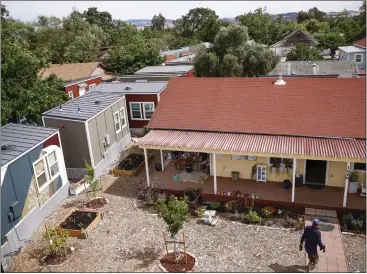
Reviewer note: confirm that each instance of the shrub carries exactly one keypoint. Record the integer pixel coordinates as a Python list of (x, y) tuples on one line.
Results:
[(57, 238), (214, 205), (252, 217), (145, 130), (236, 205), (346, 218), (357, 224), (354, 176), (268, 211)]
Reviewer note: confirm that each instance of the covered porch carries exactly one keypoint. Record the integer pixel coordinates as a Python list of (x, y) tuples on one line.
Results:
[(251, 156)]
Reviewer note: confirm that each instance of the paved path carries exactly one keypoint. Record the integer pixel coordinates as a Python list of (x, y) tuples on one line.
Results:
[(333, 260)]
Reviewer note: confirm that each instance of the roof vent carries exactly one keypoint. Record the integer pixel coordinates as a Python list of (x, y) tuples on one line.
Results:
[(280, 81), (127, 88), (97, 101), (78, 109), (60, 108), (6, 146)]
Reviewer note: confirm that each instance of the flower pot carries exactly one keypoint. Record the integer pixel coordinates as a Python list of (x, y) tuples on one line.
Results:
[(188, 168)]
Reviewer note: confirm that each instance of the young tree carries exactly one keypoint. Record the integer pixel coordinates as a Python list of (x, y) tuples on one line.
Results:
[(174, 213), (332, 41), (303, 52), (205, 63), (158, 22)]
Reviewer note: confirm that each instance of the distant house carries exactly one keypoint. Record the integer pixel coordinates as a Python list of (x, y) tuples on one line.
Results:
[(356, 53), (33, 181), (103, 55), (329, 68), (142, 99), (183, 70), (189, 52), (146, 78), (92, 127), (78, 76), (283, 47)]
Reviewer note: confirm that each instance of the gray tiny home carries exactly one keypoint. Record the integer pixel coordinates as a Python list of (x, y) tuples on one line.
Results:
[(33, 181), (93, 127)]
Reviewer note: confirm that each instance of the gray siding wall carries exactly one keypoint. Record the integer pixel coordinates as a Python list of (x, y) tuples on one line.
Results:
[(104, 124), (73, 140)]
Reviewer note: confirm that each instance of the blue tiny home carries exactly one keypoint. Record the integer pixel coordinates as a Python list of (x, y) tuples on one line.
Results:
[(33, 181)]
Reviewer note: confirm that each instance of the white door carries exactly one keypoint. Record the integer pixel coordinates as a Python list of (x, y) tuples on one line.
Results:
[(260, 173)]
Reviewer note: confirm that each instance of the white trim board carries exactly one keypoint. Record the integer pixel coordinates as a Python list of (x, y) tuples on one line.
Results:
[(83, 81), (142, 111)]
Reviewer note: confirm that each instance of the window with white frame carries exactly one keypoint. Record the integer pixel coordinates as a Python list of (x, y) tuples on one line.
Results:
[(92, 86), (71, 95), (122, 118), (358, 58), (148, 110), (135, 109), (361, 167), (116, 118), (46, 170)]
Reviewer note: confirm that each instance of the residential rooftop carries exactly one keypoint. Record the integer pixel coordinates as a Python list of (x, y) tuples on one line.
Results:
[(352, 49), (164, 70), (85, 107), (83, 79), (17, 139), (310, 107), (134, 87), (361, 43), (324, 67)]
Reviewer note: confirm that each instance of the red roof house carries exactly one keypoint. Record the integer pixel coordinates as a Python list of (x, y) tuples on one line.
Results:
[(361, 43), (314, 126)]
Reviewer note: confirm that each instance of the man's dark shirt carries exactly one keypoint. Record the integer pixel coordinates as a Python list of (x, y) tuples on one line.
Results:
[(313, 239)]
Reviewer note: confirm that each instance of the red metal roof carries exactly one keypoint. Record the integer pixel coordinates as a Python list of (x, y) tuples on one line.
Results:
[(314, 107), (361, 43), (250, 143)]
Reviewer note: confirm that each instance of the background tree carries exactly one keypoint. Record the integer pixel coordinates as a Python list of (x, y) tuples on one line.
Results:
[(102, 19), (205, 63), (332, 41), (158, 22), (303, 52)]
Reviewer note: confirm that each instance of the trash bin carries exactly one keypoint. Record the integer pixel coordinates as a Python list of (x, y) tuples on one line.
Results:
[(158, 167), (235, 175), (287, 184)]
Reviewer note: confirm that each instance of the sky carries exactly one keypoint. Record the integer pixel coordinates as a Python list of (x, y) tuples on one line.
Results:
[(30, 10)]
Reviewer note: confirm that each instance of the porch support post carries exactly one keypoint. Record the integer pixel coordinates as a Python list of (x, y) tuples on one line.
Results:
[(162, 160), (346, 185), (146, 166), (215, 173), (294, 178), (210, 164)]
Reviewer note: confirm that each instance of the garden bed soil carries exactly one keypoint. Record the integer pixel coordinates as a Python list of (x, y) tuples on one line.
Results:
[(131, 165), (56, 259), (96, 203), (169, 263), (78, 220)]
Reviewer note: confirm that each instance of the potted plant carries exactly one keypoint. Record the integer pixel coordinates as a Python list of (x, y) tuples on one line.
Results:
[(276, 168), (353, 181)]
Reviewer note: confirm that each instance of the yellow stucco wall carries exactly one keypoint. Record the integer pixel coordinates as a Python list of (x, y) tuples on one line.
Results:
[(225, 166), (337, 171)]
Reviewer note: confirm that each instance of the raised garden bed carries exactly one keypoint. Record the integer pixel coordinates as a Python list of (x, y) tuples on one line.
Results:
[(131, 165), (77, 186), (79, 223), (353, 222), (168, 263)]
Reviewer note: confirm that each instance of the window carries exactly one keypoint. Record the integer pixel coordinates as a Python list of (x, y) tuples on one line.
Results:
[(360, 167), (70, 94), (148, 110), (358, 58), (135, 111), (277, 161), (122, 118), (46, 169), (116, 118), (92, 86)]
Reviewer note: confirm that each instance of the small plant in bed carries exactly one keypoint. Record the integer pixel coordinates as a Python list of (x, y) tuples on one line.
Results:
[(252, 217), (78, 220), (355, 222), (131, 162), (57, 245)]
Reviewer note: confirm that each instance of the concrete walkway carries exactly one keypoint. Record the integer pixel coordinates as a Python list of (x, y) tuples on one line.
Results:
[(333, 260)]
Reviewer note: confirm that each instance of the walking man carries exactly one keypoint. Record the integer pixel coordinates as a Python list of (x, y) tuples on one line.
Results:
[(312, 236)]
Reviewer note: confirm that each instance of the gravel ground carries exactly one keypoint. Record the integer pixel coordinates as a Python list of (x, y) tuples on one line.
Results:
[(355, 252), (130, 240)]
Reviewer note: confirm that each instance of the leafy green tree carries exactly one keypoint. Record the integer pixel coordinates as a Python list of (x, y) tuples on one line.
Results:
[(313, 26), (200, 22), (303, 52), (362, 19), (313, 13), (332, 41), (158, 22), (230, 66), (102, 19), (205, 63), (130, 58)]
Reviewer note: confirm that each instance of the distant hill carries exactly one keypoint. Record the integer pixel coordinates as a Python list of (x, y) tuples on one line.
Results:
[(288, 16)]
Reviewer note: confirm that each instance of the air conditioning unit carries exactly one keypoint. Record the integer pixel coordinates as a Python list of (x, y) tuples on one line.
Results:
[(107, 140)]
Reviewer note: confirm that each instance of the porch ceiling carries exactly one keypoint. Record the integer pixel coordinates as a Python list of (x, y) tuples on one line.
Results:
[(257, 145)]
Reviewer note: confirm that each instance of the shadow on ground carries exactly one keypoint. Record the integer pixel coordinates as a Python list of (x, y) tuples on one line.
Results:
[(288, 269), (147, 256)]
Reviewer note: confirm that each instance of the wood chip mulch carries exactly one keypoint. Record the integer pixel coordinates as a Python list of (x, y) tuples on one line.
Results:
[(169, 263)]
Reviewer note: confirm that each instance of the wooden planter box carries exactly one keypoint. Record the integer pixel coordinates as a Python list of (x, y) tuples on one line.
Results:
[(135, 172), (82, 233)]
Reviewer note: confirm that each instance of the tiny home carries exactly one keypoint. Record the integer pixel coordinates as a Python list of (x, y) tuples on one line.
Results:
[(33, 181), (93, 128), (142, 99), (356, 53)]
